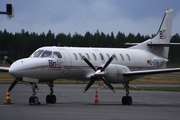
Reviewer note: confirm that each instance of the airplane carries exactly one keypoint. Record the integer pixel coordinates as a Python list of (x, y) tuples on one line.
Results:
[(111, 65)]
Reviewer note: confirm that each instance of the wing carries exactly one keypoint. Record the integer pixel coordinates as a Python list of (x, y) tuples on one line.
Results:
[(150, 72), (4, 69)]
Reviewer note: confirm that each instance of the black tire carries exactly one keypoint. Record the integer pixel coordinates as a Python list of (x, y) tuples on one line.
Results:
[(36, 100), (33, 100), (53, 99), (124, 101), (30, 100), (129, 100), (48, 99)]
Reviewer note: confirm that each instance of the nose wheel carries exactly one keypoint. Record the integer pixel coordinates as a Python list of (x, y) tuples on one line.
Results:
[(51, 98), (33, 100)]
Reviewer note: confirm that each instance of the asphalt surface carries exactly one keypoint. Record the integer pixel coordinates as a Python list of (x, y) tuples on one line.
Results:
[(72, 103)]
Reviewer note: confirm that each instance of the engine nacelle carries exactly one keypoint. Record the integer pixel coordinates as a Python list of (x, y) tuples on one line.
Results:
[(114, 73)]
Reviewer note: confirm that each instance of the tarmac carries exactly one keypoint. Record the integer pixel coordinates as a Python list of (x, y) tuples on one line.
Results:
[(72, 103)]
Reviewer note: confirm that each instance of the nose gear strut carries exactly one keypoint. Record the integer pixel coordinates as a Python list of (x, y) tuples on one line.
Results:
[(34, 100)]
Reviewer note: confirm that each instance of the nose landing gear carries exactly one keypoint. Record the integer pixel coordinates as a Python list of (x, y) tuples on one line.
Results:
[(34, 100)]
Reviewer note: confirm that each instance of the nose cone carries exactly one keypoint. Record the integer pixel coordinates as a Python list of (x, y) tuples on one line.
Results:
[(15, 69)]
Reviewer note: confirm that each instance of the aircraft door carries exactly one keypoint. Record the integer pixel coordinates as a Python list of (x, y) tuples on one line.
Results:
[(57, 63), (67, 63)]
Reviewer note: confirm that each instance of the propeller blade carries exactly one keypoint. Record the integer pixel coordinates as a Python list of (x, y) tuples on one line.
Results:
[(89, 85), (108, 62), (87, 61), (12, 85), (108, 84), (8, 59)]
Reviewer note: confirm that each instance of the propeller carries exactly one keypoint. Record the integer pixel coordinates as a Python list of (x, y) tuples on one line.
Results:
[(15, 81), (98, 74)]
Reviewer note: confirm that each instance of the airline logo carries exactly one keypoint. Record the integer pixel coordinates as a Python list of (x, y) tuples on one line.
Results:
[(56, 64), (162, 34)]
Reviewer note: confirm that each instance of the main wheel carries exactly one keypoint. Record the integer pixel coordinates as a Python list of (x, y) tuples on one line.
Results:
[(126, 100), (48, 99), (51, 99), (129, 100)]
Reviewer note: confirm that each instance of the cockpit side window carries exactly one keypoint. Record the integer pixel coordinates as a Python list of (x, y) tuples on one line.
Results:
[(37, 53), (47, 54), (57, 55)]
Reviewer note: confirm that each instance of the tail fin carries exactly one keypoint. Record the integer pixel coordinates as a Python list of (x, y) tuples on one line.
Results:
[(162, 37), (164, 33)]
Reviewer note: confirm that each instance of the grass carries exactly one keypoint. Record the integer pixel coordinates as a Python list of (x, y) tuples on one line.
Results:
[(157, 80), (173, 64)]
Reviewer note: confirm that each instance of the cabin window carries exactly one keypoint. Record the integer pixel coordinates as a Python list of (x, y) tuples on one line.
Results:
[(57, 55), (102, 58), (75, 56), (128, 57), (108, 56), (122, 58), (115, 57), (94, 56), (80, 55), (88, 56), (47, 54)]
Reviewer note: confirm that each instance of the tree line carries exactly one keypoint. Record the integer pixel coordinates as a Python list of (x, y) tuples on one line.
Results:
[(21, 45)]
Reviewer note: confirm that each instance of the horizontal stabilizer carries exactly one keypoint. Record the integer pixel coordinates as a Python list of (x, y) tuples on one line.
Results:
[(164, 44), (131, 44)]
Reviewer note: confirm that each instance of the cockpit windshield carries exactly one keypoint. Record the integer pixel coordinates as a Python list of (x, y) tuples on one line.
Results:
[(46, 53), (37, 53)]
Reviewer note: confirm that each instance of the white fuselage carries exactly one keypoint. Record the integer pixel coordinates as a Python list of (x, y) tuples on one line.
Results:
[(71, 65)]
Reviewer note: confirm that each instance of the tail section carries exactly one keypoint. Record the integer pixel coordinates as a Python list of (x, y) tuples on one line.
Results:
[(156, 44), (164, 33)]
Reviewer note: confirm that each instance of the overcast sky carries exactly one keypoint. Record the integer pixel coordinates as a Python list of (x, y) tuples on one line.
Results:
[(71, 16)]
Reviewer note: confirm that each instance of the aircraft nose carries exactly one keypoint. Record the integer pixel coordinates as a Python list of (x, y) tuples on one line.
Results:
[(15, 69)]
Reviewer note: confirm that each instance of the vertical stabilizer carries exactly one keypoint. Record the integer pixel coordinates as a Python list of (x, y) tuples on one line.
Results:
[(162, 37), (164, 33)]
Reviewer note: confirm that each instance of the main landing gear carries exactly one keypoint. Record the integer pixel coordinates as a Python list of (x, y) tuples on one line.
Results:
[(126, 100), (34, 100), (51, 98)]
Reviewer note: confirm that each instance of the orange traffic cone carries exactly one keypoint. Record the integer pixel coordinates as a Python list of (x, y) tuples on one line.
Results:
[(8, 99), (96, 101)]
